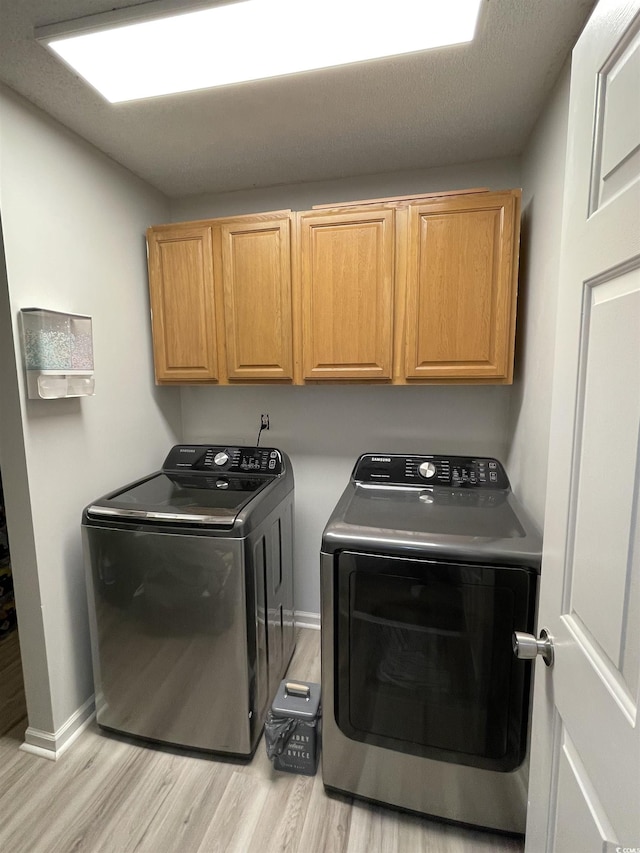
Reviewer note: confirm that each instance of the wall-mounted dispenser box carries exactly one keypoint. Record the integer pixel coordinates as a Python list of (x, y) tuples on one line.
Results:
[(58, 353)]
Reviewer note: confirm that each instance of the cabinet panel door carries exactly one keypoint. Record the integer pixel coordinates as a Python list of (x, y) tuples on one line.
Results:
[(182, 303), (461, 288), (256, 279), (346, 279)]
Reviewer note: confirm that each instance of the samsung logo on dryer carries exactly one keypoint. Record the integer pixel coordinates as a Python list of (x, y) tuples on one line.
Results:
[(187, 450), (381, 459)]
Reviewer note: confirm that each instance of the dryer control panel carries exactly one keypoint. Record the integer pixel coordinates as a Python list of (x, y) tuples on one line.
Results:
[(457, 472), (231, 459)]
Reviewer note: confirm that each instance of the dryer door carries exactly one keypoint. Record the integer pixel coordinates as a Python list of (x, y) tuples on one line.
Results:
[(423, 657)]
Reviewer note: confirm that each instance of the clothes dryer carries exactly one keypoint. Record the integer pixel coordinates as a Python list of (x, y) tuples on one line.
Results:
[(428, 566)]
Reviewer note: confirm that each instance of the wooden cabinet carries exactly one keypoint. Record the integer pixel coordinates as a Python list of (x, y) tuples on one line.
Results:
[(253, 263), (346, 291), (403, 291), (461, 282), (221, 299), (182, 303), (413, 289)]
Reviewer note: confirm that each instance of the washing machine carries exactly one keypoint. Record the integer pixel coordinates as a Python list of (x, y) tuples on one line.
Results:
[(190, 589), (428, 566)]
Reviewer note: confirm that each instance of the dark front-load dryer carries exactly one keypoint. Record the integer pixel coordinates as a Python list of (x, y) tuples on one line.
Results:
[(190, 588), (428, 566)]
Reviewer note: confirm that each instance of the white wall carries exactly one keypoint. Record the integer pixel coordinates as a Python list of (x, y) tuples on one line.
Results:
[(493, 174), (543, 167), (73, 224), (324, 429), (18, 506)]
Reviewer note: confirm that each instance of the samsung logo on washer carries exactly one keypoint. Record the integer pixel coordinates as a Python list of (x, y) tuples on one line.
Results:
[(187, 450), (381, 459)]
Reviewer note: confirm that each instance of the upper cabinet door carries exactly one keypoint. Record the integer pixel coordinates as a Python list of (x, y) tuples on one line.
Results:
[(182, 303), (255, 275), (346, 274), (461, 288)]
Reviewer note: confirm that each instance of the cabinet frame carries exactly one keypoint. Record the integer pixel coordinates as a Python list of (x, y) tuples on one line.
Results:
[(422, 321), (220, 328)]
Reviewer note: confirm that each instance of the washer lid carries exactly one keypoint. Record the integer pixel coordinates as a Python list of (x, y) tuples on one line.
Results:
[(214, 500), (450, 507), (435, 512), (434, 522)]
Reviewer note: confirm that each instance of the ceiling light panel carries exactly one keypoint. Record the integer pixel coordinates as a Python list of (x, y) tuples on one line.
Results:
[(255, 39)]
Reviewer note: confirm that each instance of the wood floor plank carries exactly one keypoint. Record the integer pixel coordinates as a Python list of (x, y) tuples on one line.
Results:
[(369, 830), (10, 742), (186, 814), (283, 815), (13, 707), (133, 804), (75, 796), (234, 821), (111, 794), (328, 821)]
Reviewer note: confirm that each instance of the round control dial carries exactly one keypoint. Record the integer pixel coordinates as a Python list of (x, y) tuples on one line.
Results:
[(427, 470), (221, 458)]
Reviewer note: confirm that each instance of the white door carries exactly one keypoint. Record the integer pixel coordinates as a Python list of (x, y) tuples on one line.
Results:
[(584, 790)]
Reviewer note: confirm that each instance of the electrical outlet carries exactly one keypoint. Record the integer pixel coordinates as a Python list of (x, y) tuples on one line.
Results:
[(264, 421)]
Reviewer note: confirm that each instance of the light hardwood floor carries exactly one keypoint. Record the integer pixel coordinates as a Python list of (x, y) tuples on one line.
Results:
[(13, 709), (109, 794)]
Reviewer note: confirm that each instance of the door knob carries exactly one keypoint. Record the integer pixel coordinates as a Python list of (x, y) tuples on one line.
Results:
[(526, 647)]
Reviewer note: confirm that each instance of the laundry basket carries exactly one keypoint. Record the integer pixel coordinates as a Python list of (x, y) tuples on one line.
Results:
[(291, 730)]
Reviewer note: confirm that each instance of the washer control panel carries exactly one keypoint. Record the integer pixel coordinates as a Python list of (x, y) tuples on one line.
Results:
[(234, 460), (457, 472), (427, 470)]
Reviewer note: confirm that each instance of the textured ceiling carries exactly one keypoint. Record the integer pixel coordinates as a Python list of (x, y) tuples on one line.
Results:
[(454, 105)]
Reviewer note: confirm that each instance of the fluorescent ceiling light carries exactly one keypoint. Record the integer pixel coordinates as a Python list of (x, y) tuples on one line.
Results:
[(254, 39)]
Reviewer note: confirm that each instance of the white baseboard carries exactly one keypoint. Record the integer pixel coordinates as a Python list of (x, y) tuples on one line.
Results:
[(307, 620), (52, 745)]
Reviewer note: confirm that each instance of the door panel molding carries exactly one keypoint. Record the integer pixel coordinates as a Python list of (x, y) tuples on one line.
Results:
[(616, 154), (577, 795), (606, 401)]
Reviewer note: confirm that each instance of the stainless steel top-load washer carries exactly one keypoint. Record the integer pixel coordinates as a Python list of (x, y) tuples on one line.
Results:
[(428, 566), (190, 590)]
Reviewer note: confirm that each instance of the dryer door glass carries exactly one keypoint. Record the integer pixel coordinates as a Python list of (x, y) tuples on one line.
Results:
[(424, 663)]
